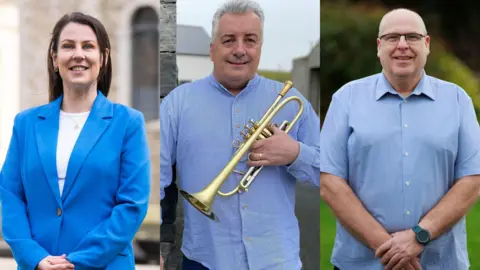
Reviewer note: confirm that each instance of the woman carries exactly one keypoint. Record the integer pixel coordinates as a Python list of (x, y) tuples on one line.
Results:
[(76, 179)]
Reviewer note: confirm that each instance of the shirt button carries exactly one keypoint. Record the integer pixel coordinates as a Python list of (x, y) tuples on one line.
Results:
[(244, 206), (59, 212), (406, 126), (249, 239), (404, 101), (407, 183), (238, 125), (408, 212), (238, 110), (406, 154)]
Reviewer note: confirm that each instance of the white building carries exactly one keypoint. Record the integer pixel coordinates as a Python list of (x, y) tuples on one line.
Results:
[(193, 53)]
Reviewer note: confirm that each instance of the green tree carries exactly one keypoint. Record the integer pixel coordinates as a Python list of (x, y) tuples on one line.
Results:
[(349, 51)]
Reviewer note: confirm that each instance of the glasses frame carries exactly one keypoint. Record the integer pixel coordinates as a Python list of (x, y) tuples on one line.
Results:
[(405, 36)]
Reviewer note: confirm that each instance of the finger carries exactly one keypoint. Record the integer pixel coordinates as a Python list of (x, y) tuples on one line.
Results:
[(256, 145), (276, 129), (63, 266), (387, 256), (57, 259), (416, 263), (383, 248), (256, 156), (409, 266), (397, 262), (259, 163)]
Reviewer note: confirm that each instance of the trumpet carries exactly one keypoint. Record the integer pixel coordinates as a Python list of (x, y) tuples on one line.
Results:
[(203, 200)]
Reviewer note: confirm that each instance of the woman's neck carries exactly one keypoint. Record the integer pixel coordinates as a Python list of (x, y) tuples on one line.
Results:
[(78, 100)]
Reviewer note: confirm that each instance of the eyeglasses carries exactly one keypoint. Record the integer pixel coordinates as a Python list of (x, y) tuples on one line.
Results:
[(394, 38)]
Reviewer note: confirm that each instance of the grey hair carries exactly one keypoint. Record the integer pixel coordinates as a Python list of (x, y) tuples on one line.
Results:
[(236, 7)]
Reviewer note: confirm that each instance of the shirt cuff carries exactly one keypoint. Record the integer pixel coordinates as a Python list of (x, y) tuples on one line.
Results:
[(301, 168), (466, 172)]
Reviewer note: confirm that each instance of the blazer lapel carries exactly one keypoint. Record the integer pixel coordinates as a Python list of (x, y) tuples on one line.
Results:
[(97, 122), (46, 135)]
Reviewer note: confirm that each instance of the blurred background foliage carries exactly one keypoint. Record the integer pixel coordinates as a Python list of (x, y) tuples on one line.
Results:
[(280, 76), (349, 51)]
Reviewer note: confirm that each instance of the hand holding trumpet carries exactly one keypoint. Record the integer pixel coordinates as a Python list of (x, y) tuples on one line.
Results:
[(276, 150)]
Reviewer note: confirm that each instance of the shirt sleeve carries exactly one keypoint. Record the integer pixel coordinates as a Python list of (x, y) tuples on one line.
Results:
[(468, 155), (168, 140), (334, 137), (306, 167)]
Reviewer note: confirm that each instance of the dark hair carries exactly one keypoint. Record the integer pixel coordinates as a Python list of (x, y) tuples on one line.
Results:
[(55, 89)]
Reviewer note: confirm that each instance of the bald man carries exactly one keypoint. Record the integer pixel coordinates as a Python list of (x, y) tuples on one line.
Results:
[(400, 160)]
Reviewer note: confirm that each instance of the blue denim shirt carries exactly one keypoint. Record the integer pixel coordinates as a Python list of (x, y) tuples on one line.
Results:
[(258, 229), (400, 156)]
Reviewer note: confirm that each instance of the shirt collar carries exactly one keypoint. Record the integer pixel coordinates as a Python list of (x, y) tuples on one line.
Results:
[(250, 85), (424, 86)]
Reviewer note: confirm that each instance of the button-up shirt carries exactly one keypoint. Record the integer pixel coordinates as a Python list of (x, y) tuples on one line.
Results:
[(400, 156), (200, 123)]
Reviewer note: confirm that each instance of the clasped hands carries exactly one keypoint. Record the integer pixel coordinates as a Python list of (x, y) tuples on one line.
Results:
[(401, 252), (276, 150), (55, 263)]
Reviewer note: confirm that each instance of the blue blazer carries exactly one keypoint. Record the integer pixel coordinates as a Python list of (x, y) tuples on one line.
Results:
[(105, 196)]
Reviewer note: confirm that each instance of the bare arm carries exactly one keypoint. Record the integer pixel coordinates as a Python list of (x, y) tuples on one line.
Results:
[(350, 211), (452, 207)]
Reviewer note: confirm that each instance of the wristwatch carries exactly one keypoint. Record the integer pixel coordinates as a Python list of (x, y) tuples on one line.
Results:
[(422, 235)]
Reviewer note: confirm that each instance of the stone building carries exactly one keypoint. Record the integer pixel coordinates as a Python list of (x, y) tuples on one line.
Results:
[(306, 76), (135, 35)]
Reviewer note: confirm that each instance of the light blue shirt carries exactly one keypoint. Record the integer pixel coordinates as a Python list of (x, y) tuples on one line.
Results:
[(257, 229), (400, 156)]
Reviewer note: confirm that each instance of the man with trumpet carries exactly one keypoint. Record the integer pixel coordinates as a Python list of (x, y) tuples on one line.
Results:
[(238, 180)]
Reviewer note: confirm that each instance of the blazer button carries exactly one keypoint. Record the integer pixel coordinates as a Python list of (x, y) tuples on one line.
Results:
[(59, 212)]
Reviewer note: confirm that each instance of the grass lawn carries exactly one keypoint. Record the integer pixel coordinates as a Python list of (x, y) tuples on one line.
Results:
[(327, 235)]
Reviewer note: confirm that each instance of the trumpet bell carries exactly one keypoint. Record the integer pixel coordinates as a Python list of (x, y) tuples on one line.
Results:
[(204, 206)]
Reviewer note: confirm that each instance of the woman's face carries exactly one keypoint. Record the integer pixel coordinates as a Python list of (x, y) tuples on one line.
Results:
[(78, 57)]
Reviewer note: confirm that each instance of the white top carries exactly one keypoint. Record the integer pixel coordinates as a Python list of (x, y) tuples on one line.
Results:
[(69, 128)]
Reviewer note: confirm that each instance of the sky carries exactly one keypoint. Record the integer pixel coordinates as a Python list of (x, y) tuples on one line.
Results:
[(292, 27)]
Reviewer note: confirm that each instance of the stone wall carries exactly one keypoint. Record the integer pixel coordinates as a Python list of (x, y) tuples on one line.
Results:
[(168, 81), (168, 46)]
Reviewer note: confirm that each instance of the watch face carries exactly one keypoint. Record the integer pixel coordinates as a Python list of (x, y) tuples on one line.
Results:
[(423, 236)]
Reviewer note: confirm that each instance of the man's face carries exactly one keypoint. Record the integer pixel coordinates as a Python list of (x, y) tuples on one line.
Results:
[(403, 56), (236, 49)]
